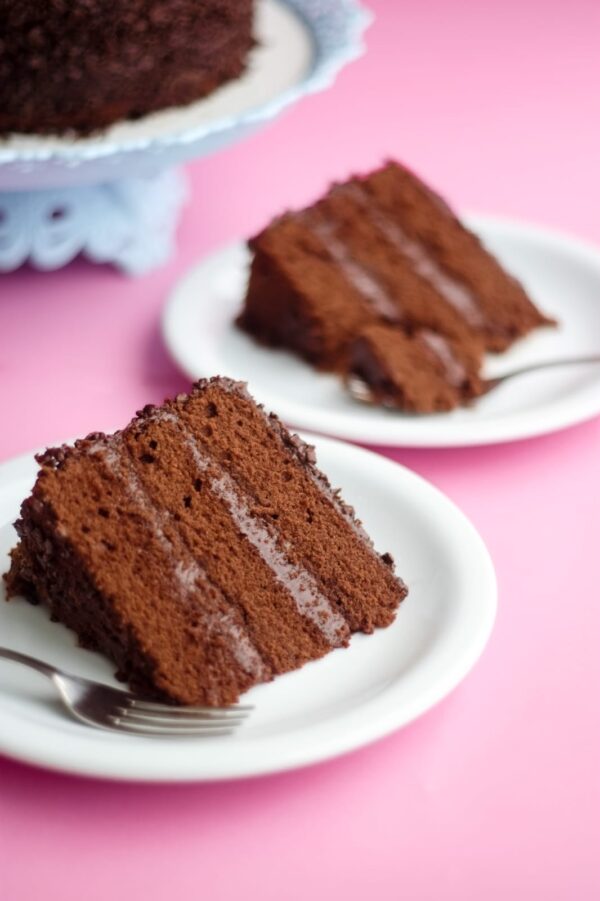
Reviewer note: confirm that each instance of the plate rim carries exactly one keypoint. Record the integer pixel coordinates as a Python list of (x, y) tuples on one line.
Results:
[(26, 747), (422, 432)]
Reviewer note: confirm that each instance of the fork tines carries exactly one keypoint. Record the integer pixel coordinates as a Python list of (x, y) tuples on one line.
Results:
[(148, 718)]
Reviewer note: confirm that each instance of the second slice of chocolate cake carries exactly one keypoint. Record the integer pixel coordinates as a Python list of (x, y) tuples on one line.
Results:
[(383, 250), (200, 549)]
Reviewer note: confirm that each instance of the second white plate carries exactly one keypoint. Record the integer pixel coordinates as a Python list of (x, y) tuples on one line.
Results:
[(561, 273)]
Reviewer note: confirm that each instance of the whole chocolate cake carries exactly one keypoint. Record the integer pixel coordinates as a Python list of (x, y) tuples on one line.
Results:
[(84, 64), (378, 255), (200, 549)]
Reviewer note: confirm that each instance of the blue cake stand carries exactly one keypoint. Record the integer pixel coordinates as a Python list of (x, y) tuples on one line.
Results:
[(116, 196)]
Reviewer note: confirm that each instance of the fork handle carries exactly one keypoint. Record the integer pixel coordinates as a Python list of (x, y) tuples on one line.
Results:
[(38, 665)]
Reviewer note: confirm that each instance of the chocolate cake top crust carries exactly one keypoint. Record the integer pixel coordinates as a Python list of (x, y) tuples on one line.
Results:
[(200, 548), (83, 64)]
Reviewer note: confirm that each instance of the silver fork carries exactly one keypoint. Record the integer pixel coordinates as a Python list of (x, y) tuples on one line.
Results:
[(490, 384), (121, 711)]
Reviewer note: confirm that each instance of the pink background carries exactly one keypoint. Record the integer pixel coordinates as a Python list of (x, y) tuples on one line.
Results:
[(496, 793)]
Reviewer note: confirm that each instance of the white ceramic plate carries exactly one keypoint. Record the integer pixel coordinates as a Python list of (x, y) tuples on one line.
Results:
[(351, 697), (561, 273)]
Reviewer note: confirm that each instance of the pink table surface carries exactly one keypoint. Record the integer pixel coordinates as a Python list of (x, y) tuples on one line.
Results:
[(496, 793)]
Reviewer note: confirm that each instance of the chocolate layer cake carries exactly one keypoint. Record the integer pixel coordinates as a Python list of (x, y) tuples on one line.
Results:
[(424, 372), (84, 64), (380, 250), (200, 549)]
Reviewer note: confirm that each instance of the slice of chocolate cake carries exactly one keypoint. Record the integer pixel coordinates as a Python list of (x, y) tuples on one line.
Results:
[(425, 372), (383, 249), (200, 549)]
